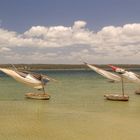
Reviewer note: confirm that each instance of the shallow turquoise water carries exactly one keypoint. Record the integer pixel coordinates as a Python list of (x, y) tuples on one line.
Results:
[(77, 110)]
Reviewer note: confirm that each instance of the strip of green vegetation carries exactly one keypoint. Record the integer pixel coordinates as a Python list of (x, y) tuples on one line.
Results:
[(64, 66)]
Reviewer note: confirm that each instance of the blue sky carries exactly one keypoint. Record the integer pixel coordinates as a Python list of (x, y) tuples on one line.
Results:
[(20, 15), (20, 22)]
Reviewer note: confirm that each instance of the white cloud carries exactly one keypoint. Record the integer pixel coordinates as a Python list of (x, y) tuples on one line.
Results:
[(4, 49), (111, 43), (79, 24)]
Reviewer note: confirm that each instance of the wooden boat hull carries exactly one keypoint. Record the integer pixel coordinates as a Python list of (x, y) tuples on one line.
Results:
[(116, 97), (37, 96), (137, 92)]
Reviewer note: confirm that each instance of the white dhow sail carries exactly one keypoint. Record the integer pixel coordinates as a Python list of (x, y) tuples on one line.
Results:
[(105, 73), (130, 76), (32, 79)]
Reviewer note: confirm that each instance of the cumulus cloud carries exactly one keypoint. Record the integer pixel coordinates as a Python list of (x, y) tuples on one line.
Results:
[(110, 43), (79, 24), (4, 49)]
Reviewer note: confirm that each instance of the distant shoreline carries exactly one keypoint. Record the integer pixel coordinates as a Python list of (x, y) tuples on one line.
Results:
[(65, 66)]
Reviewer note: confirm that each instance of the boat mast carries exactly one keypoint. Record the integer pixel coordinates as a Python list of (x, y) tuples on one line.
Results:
[(122, 85), (42, 84)]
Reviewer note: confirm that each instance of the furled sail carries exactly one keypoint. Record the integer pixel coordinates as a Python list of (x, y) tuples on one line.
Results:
[(34, 80), (105, 73)]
